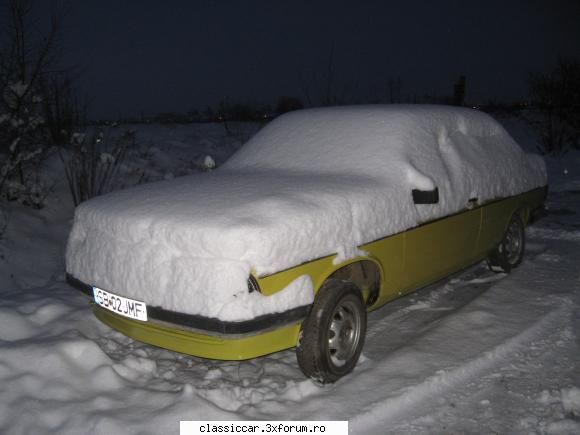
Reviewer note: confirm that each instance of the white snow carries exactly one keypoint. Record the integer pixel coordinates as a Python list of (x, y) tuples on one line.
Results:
[(310, 184), (298, 293), (19, 88), (209, 162), (477, 353)]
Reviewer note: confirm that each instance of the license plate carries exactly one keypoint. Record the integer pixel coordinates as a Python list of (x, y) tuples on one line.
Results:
[(120, 305)]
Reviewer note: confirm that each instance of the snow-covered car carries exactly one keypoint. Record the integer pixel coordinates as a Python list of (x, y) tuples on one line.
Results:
[(324, 215)]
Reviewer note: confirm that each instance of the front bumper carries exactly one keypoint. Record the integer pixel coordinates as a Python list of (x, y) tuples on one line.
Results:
[(206, 337)]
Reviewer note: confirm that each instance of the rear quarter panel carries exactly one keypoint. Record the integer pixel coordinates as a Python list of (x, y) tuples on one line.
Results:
[(496, 216)]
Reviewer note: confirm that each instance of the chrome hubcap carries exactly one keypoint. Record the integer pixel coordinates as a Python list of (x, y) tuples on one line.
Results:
[(513, 243), (344, 332)]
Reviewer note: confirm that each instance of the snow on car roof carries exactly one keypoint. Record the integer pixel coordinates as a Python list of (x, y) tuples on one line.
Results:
[(465, 153), (353, 137)]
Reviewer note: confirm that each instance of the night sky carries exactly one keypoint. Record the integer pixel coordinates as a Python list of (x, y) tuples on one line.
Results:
[(155, 56)]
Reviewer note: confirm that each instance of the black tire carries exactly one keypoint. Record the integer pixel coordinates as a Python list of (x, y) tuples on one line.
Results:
[(332, 336), (510, 251)]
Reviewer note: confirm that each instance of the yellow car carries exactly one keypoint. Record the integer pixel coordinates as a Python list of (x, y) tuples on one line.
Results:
[(324, 215)]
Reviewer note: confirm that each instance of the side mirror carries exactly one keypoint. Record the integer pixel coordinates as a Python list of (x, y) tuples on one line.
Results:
[(425, 196)]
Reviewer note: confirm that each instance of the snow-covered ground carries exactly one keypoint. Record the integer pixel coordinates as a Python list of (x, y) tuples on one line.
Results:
[(476, 353)]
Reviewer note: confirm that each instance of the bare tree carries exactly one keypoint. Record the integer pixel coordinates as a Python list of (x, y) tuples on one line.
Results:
[(62, 109), (25, 61), (330, 97), (459, 92), (394, 87), (557, 95), (305, 86), (320, 88)]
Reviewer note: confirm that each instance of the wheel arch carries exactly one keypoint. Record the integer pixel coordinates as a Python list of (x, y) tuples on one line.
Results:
[(366, 273), (521, 211), (524, 213)]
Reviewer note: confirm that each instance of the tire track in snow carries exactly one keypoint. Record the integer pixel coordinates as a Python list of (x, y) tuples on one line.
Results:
[(388, 412), (538, 299)]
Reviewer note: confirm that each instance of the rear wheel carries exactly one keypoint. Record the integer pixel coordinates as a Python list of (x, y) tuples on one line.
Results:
[(333, 334), (510, 252)]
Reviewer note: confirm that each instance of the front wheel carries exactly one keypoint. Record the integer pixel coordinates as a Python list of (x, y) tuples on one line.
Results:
[(333, 334), (510, 252)]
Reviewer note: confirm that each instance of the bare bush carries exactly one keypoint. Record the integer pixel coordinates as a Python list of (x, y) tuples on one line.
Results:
[(93, 163)]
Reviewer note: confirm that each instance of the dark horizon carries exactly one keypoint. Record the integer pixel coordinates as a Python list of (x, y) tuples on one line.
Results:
[(150, 57)]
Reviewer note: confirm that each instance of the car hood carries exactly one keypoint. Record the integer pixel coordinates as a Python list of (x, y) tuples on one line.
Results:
[(233, 215)]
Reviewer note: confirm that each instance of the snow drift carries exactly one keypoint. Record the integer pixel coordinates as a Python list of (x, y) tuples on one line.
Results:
[(311, 183)]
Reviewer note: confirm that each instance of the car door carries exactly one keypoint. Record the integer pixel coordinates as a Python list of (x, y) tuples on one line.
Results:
[(438, 248)]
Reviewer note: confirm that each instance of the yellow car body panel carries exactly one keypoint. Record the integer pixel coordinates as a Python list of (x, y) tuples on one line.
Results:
[(201, 344), (406, 261), (439, 248)]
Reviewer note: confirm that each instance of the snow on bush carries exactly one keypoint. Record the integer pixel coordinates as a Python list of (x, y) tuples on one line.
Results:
[(310, 184), (209, 162)]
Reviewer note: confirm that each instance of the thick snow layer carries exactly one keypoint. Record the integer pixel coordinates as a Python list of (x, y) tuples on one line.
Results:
[(310, 184)]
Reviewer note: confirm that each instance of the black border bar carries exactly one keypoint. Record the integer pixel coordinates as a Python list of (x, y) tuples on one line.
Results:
[(212, 324)]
